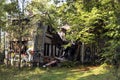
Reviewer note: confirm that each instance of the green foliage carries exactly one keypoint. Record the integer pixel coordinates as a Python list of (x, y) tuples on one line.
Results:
[(44, 12), (91, 20), (2, 13), (11, 8)]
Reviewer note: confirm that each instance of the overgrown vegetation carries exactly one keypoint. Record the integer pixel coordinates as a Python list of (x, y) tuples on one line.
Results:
[(75, 73), (91, 21)]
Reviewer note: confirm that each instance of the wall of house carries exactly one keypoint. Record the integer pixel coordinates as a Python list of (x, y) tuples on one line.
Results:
[(46, 42), (52, 50)]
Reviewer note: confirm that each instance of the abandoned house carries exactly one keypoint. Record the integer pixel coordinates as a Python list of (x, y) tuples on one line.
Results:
[(46, 40), (43, 38)]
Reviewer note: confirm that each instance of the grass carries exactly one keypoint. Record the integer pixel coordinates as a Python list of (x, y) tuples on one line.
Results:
[(76, 73)]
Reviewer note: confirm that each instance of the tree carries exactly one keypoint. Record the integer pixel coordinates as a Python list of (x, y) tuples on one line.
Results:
[(2, 21), (44, 15), (44, 11), (19, 26), (92, 21)]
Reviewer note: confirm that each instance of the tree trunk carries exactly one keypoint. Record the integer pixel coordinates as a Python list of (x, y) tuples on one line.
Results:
[(0, 40), (77, 53), (82, 52), (19, 64)]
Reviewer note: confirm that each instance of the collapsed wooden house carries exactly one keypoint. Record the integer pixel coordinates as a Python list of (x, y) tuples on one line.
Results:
[(43, 38), (46, 40)]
